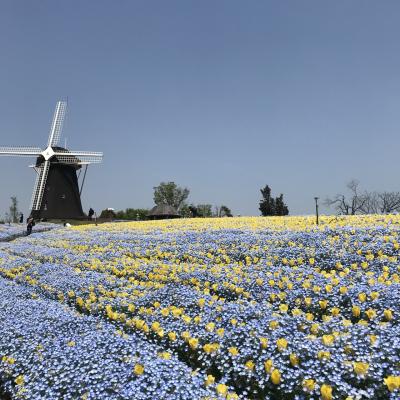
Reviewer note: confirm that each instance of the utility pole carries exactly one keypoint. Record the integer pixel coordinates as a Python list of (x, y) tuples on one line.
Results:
[(316, 209)]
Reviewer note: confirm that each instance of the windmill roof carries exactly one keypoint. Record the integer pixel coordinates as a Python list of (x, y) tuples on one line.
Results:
[(163, 210)]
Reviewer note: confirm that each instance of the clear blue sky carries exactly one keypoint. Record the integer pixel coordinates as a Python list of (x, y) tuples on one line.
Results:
[(219, 96)]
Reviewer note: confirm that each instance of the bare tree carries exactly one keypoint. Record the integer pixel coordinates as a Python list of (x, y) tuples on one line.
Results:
[(364, 202), (389, 202), (352, 204), (371, 203)]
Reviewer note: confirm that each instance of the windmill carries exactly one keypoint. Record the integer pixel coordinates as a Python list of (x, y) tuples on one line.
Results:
[(56, 194)]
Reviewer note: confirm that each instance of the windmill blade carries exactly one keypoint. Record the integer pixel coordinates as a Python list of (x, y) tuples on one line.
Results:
[(57, 124), (20, 151), (40, 185), (79, 157)]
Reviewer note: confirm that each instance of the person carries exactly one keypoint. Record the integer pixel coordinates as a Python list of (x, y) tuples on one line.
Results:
[(21, 218), (91, 213), (30, 225)]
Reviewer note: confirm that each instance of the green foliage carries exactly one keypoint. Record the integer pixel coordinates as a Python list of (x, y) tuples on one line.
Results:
[(204, 210), (226, 211), (186, 211), (13, 213), (133, 214), (108, 214), (171, 194), (270, 206), (129, 214)]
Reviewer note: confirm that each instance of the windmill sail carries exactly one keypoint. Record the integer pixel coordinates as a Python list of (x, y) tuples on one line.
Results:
[(40, 185), (20, 151), (57, 124), (78, 157)]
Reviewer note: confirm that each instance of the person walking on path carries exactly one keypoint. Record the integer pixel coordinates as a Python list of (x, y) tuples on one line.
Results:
[(30, 225)]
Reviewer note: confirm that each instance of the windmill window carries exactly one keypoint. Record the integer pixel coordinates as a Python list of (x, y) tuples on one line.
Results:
[(63, 196)]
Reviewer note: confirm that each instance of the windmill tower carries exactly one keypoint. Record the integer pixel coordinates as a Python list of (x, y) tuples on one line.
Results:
[(56, 194)]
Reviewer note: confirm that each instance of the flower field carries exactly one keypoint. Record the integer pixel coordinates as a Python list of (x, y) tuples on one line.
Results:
[(11, 231), (230, 308)]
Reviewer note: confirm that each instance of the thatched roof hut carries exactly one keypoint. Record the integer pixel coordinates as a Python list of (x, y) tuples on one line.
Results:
[(163, 211)]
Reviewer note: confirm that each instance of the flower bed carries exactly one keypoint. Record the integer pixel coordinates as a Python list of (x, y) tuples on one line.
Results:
[(245, 308)]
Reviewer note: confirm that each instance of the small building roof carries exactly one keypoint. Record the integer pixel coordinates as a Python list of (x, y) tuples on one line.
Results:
[(163, 211)]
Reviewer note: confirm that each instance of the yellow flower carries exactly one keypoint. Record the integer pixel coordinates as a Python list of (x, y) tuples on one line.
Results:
[(234, 351), (210, 327), (19, 380), (323, 304), (222, 389), (155, 326), (264, 342), (138, 369), (193, 343), (362, 297), (326, 392), (268, 366), (276, 377), (343, 290), (356, 311), (232, 396), (282, 344), (360, 368), (392, 382), (250, 365), (324, 355), (388, 314), (294, 360), (309, 384), (371, 314), (165, 312), (372, 339), (71, 343), (308, 301), (283, 308), (328, 288), (314, 329), (328, 340), (335, 311), (209, 380), (273, 324), (374, 295), (185, 335), (296, 312), (165, 355), (210, 347), (220, 332), (172, 336), (309, 316)]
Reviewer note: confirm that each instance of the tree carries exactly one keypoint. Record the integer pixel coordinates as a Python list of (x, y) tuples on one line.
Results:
[(271, 206), (355, 202), (193, 210), (171, 194), (132, 214), (12, 215), (389, 202), (108, 214), (280, 207), (266, 204), (204, 210), (223, 211)]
